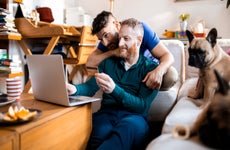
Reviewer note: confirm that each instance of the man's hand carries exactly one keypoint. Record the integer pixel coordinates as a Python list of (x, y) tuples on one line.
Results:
[(105, 82), (153, 79), (71, 89)]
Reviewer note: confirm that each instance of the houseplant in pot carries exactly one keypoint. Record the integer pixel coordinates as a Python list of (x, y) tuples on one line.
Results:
[(184, 21)]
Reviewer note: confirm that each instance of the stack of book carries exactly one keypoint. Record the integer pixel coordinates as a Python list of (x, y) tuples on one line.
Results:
[(7, 25), (10, 68)]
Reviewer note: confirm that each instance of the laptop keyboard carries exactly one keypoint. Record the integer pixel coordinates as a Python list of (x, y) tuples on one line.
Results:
[(74, 100)]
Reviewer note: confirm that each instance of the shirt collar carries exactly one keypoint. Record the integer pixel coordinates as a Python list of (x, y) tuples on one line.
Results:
[(140, 59)]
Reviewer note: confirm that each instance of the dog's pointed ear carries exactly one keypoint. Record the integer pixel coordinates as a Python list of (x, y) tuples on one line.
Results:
[(223, 85), (189, 35), (212, 35)]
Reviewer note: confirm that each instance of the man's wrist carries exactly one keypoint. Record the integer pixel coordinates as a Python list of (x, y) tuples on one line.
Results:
[(114, 52)]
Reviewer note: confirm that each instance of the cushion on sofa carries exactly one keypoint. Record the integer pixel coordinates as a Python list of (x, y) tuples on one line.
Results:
[(224, 44), (188, 85), (184, 112), (163, 103), (168, 142)]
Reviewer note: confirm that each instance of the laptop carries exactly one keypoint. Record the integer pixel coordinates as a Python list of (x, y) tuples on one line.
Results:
[(48, 81)]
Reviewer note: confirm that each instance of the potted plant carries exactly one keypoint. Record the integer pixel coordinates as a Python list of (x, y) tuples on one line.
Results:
[(184, 21), (184, 17)]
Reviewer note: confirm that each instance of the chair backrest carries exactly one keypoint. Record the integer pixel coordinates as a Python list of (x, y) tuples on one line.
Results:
[(87, 44)]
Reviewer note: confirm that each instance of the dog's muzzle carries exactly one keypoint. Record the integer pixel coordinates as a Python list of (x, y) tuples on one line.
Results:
[(197, 58)]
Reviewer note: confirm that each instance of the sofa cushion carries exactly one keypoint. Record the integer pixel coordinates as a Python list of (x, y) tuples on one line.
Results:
[(163, 104), (224, 44), (184, 112), (188, 85), (168, 142)]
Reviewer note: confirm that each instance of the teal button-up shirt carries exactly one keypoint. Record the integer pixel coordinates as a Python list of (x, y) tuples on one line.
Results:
[(130, 93)]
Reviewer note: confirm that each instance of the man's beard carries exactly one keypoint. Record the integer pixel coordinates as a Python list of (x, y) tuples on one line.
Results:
[(114, 44), (127, 53)]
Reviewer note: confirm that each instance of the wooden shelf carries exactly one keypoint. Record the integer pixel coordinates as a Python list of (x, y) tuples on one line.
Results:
[(18, 1), (11, 36)]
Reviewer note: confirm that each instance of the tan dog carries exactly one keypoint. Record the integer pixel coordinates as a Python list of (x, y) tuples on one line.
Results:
[(213, 123), (207, 55)]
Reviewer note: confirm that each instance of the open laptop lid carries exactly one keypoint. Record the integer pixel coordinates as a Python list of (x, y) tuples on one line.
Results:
[(47, 78)]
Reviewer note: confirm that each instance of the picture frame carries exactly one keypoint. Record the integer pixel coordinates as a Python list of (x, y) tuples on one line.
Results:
[(185, 0)]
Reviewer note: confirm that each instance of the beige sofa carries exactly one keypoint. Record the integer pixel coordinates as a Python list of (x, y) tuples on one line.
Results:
[(183, 113)]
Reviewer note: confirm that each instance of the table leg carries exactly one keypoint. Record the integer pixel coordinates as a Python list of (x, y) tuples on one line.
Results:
[(26, 50), (27, 87), (51, 45)]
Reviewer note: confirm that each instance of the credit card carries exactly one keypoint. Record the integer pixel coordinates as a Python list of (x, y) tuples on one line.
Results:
[(92, 70)]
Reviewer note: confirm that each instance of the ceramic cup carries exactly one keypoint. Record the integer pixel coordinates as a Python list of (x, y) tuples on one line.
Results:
[(13, 87)]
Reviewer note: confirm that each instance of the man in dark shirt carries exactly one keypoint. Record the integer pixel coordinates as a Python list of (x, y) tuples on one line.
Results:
[(121, 123)]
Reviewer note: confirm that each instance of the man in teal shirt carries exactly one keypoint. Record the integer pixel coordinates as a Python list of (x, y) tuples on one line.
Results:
[(121, 122)]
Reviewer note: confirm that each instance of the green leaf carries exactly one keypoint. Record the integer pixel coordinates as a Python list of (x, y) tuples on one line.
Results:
[(184, 17)]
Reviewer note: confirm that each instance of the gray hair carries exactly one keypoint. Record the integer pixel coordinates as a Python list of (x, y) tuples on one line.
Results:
[(135, 24)]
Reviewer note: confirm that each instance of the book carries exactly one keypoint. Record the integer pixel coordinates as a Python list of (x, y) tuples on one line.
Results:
[(3, 54), (8, 66), (3, 10), (11, 75), (7, 25), (10, 33), (9, 63), (4, 69)]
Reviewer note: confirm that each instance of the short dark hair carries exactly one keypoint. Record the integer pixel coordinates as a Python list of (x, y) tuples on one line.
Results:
[(100, 21)]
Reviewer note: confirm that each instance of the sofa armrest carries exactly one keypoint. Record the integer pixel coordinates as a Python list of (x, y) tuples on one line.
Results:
[(165, 100)]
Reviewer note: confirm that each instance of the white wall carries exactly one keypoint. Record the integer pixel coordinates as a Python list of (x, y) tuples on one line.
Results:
[(160, 15), (164, 14), (57, 7)]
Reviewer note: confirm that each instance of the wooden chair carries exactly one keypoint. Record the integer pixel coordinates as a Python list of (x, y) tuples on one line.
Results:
[(86, 46)]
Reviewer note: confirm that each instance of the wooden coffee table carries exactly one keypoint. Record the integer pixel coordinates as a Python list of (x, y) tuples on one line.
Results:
[(57, 128)]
